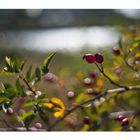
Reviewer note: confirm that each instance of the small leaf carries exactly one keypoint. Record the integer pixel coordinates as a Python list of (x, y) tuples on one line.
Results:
[(18, 85), (9, 91), (46, 63), (8, 60), (4, 73), (13, 65), (27, 118), (29, 74), (44, 118), (20, 88), (3, 100), (28, 103), (38, 74), (7, 86)]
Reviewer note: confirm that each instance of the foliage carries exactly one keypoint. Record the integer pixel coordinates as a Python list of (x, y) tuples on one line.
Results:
[(106, 99)]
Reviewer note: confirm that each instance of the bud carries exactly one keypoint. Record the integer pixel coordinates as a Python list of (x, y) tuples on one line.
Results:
[(38, 93), (70, 94), (50, 77), (38, 125), (88, 81), (10, 111)]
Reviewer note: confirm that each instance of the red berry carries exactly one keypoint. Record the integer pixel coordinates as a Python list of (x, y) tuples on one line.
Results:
[(89, 58), (38, 125), (116, 51), (125, 122), (120, 117), (99, 58), (9, 111), (86, 120)]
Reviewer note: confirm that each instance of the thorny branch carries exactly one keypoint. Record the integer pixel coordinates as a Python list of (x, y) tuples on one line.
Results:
[(107, 92)]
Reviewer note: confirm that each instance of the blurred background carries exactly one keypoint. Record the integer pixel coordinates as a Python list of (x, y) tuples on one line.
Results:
[(32, 33), (65, 30)]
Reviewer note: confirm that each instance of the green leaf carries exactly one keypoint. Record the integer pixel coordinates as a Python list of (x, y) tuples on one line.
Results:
[(20, 88), (38, 74), (28, 103), (8, 60), (18, 85), (3, 100), (4, 73), (8, 91), (7, 86), (27, 118), (46, 63), (14, 65), (44, 118), (29, 74), (41, 98)]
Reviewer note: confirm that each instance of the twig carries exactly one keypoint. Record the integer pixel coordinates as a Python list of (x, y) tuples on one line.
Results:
[(117, 90), (26, 82), (134, 116), (111, 81)]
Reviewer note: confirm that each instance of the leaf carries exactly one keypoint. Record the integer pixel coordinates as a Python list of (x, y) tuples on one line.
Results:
[(44, 118), (20, 88), (9, 91), (41, 98), (29, 74), (27, 118), (133, 46), (18, 85), (14, 65), (46, 63), (38, 74), (7, 86), (4, 73), (28, 103), (3, 100), (8, 60), (18, 65)]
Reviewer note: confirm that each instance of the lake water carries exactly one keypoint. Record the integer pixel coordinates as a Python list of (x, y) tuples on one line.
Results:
[(62, 39)]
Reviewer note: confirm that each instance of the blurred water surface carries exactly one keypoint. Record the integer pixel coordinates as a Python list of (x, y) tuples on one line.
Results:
[(62, 39)]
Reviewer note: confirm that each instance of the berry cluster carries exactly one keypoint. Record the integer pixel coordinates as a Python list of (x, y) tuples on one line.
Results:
[(94, 58)]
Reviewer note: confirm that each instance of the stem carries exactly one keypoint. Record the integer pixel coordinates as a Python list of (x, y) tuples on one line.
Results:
[(134, 116), (111, 81), (27, 84), (117, 90)]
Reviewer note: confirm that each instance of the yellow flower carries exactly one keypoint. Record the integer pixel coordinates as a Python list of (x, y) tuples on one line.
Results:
[(59, 109), (57, 106), (48, 105)]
